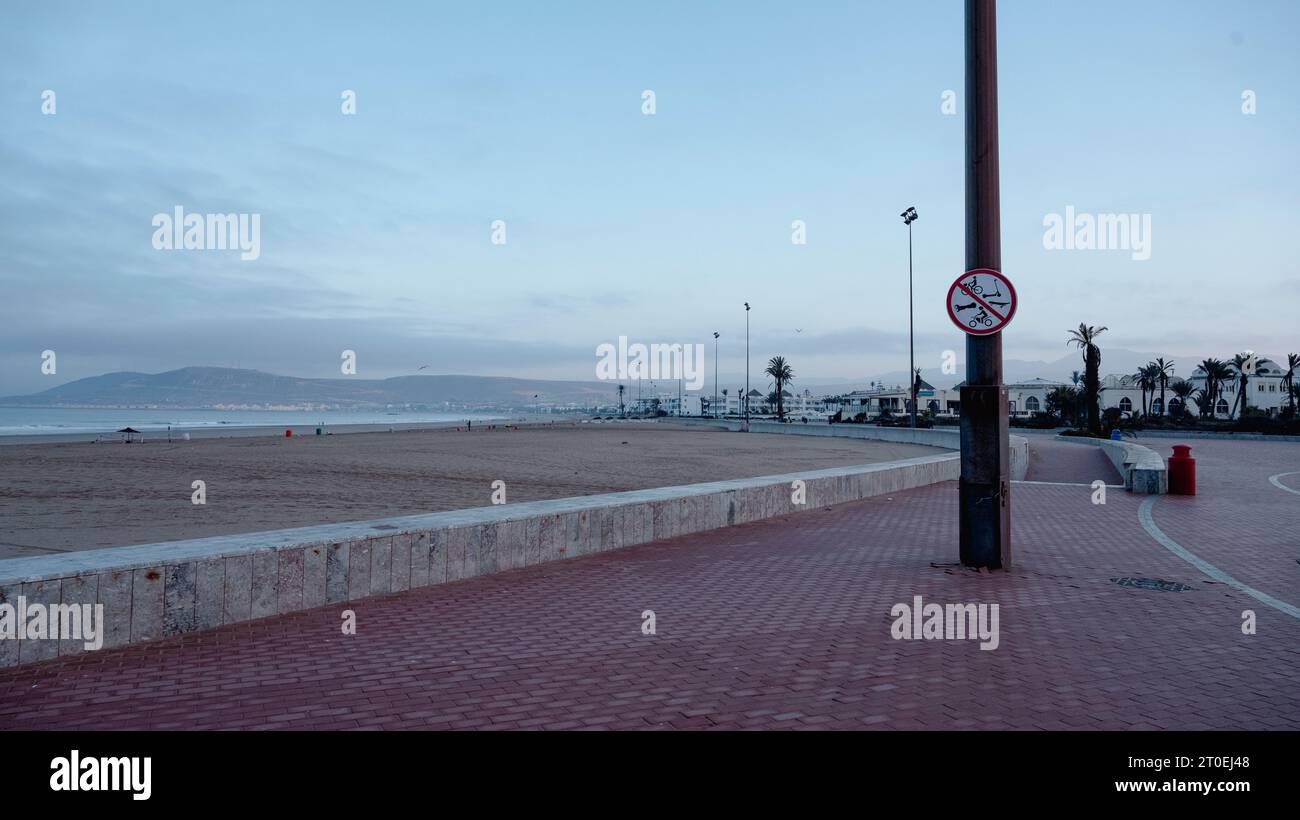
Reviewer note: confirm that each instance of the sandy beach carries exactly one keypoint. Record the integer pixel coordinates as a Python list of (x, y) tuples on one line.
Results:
[(63, 497)]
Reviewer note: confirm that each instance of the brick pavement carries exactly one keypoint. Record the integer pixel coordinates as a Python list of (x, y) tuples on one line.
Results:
[(1052, 460), (1238, 521), (782, 624)]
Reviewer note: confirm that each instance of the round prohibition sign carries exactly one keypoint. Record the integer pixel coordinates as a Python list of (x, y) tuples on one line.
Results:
[(981, 301)]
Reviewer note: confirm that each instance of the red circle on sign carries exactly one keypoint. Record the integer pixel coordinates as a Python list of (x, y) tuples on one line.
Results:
[(979, 300)]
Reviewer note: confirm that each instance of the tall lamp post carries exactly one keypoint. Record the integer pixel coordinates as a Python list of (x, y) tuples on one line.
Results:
[(909, 216), (747, 367), (714, 403)]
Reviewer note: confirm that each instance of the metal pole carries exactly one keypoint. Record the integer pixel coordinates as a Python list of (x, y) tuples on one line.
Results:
[(985, 484), (911, 338), (715, 374), (747, 366)]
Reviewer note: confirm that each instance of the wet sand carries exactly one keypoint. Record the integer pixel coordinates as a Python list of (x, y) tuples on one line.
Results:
[(75, 496)]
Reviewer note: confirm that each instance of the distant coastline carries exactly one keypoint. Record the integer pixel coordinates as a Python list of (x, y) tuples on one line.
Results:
[(19, 425)]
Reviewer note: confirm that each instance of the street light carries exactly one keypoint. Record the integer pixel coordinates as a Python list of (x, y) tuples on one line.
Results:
[(909, 216), (715, 373), (747, 367)]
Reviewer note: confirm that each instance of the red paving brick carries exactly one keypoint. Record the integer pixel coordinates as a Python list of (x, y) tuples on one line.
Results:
[(776, 625)]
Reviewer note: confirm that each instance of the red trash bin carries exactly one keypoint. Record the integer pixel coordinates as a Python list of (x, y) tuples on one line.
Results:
[(1182, 471)]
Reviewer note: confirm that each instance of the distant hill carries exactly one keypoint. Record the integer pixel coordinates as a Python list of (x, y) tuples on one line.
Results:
[(207, 387)]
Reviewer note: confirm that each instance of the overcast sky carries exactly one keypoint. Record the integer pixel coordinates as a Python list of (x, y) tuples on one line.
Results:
[(376, 227)]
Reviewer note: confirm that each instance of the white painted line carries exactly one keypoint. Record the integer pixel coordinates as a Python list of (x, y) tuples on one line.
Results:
[(1273, 479), (1149, 524), (1064, 484)]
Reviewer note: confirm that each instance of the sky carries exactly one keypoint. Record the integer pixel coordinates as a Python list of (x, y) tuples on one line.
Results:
[(376, 228)]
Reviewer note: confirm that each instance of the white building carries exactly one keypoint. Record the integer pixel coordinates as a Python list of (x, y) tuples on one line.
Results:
[(732, 404), (1266, 390), (1125, 394), (1026, 399), (879, 399)]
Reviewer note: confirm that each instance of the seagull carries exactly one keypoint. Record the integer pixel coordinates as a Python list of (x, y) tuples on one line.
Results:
[(798, 330), (421, 367)]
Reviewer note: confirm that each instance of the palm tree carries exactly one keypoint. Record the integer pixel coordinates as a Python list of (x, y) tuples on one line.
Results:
[(1239, 361), (1183, 389), (781, 373), (1085, 339), (1137, 380), (1163, 370), (1151, 373), (1061, 402), (1076, 378), (1292, 362), (1140, 379), (1207, 366), (1201, 397), (1215, 372)]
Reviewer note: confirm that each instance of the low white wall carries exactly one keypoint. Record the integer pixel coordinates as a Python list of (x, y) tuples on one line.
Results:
[(154, 591)]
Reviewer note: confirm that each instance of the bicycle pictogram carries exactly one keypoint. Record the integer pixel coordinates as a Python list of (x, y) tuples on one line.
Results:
[(981, 301)]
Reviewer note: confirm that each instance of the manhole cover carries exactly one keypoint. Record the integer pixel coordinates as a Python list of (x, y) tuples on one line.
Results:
[(1152, 583)]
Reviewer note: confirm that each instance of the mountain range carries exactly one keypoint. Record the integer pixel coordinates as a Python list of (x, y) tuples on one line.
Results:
[(208, 387)]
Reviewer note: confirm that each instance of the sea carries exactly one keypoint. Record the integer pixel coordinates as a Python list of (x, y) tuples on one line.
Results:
[(40, 421)]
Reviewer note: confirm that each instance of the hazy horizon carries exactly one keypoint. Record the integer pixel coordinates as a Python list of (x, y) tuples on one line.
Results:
[(1114, 361)]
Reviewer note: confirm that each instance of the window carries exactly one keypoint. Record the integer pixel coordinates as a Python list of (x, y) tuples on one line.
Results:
[(1157, 408), (1126, 404), (1031, 404), (1175, 404), (1261, 388), (1221, 407)]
